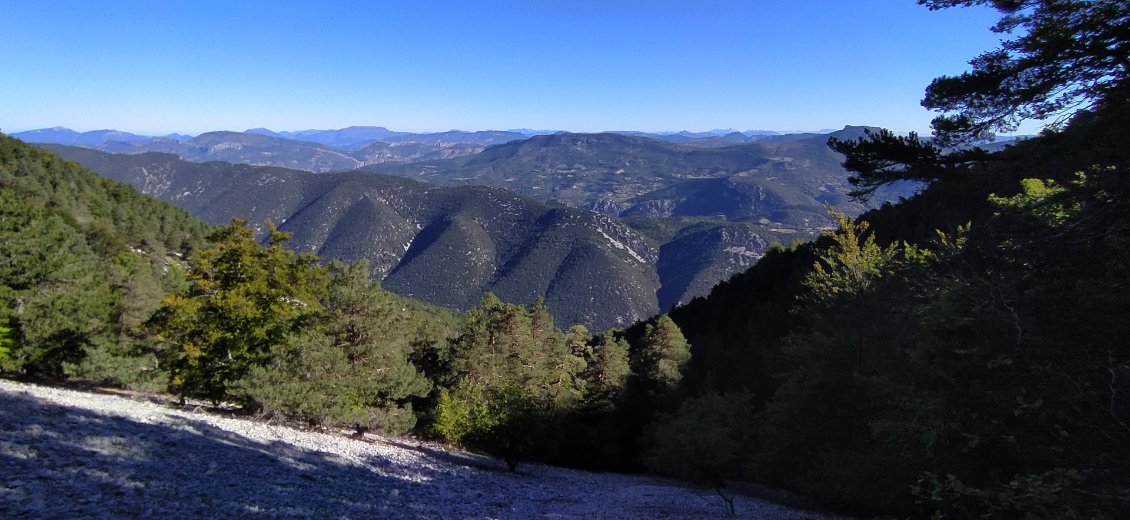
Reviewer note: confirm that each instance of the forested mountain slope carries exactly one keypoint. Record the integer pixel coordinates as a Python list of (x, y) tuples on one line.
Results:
[(443, 245), (448, 244), (83, 261)]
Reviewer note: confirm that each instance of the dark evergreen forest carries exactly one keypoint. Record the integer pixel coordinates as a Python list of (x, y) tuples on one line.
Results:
[(964, 353)]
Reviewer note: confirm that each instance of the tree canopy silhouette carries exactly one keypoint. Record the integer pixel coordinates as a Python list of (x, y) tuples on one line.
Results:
[(882, 157), (1064, 55)]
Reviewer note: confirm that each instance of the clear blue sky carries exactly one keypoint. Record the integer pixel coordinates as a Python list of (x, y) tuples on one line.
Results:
[(160, 66)]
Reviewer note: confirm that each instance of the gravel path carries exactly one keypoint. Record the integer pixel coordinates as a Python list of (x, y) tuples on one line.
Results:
[(66, 454)]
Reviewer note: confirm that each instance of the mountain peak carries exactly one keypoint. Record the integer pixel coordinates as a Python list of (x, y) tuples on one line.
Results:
[(853, 131)]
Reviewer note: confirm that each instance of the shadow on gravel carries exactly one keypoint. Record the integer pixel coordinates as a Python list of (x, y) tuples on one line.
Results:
[(61, 462), (479, 462)]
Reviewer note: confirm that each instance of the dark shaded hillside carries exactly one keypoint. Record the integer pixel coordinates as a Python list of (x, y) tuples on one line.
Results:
[(214, 192), (702, 254), (443, 245), (979, 370), (963, 354)]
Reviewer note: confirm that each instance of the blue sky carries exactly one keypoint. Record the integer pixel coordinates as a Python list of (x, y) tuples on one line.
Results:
[(162, 66)]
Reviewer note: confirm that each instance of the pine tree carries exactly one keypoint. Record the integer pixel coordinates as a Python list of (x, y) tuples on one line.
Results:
[(57, 298), (610, 369), (350, 370), (243, 302), (5, 343), (662, 355), (1063, 55), (517, 376)]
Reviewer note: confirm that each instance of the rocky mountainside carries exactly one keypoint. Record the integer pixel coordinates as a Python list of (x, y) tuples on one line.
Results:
[(349, 138)]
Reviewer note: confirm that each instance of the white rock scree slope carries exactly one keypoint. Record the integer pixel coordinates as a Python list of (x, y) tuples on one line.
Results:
[(67, 454)]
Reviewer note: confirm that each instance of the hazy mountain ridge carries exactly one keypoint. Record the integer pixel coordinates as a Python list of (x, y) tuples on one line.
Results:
[(347, 148), (60, 135), (310, 150), (784, 181)]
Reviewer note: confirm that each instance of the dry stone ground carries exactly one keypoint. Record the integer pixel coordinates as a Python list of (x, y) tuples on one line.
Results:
[(68, 454)]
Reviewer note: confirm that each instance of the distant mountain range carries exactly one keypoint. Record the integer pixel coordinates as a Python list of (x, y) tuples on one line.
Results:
[(312, 150), (67, 136), (609, 228), (356, 137), (334, 150), (255, 148), (783, 180)]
